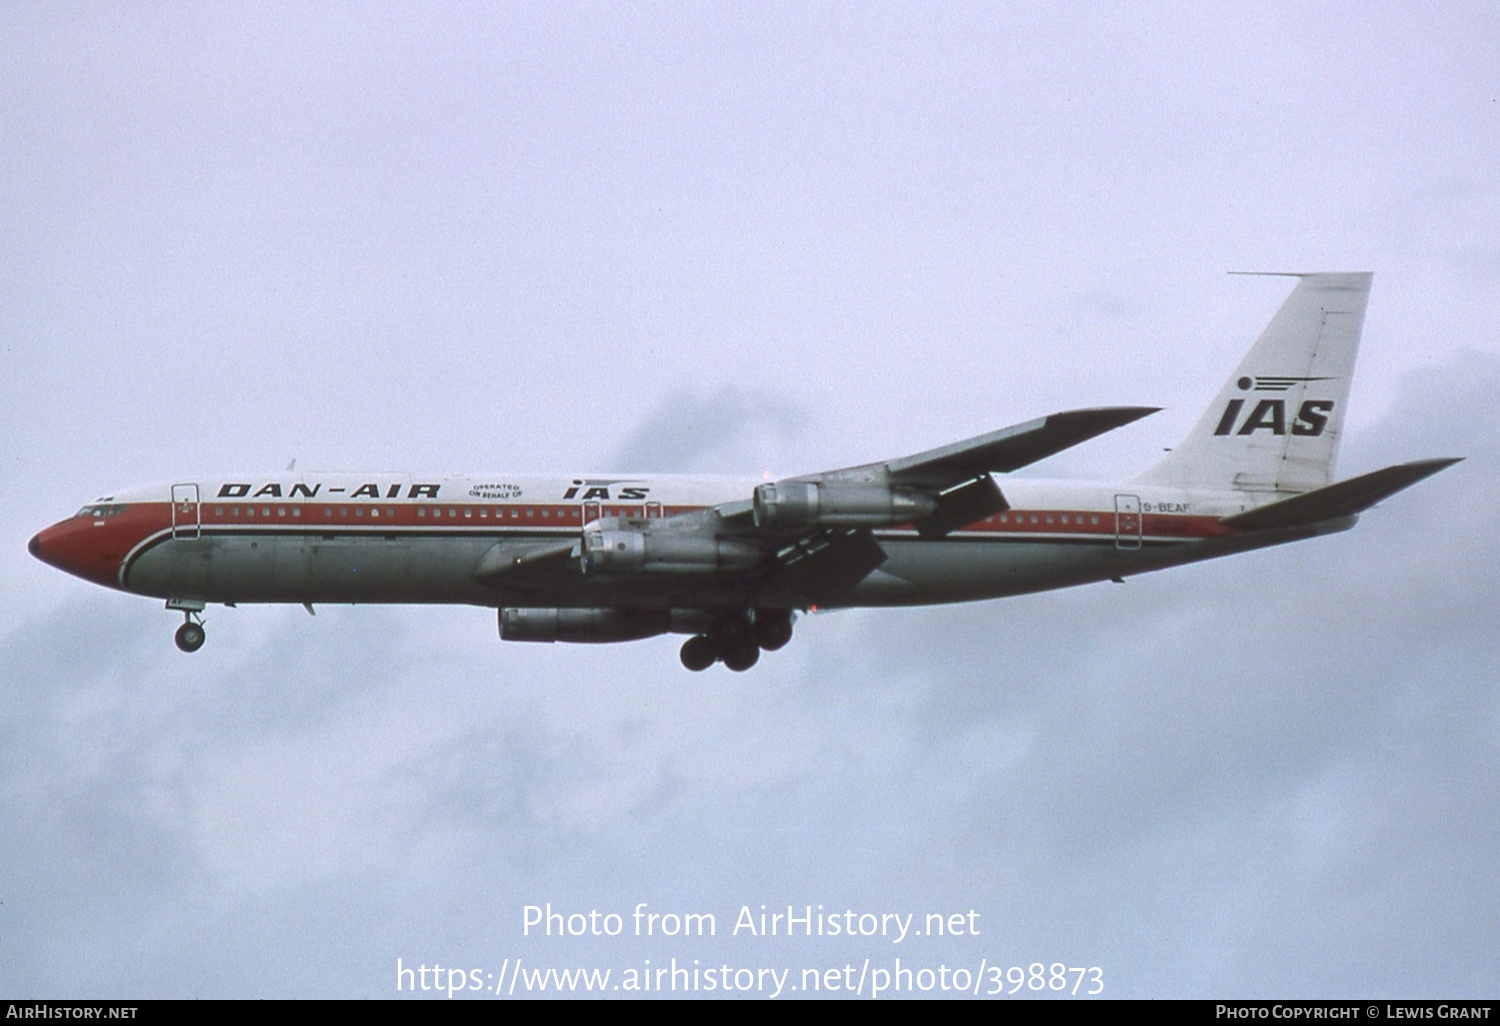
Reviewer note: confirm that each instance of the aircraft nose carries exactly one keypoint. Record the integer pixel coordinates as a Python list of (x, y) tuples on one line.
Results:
[(43, 545), (80, 547), (62, 545)]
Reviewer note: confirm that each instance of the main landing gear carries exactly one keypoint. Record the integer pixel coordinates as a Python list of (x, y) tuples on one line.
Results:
[(737, 640), (190, 635)]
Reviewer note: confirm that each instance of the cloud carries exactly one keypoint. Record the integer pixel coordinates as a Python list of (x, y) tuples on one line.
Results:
[(1229, 769)]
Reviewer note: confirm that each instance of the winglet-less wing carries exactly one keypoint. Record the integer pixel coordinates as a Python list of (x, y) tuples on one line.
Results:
[(1010, 448), (938, 490), (1344, 499), (827, 518)]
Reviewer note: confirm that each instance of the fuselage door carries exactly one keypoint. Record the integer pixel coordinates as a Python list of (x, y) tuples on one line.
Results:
[(653, 510), (186, 519), (1127, 521), (591, 512)]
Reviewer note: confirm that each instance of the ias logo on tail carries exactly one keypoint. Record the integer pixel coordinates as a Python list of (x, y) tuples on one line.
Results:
[(1271, 415)]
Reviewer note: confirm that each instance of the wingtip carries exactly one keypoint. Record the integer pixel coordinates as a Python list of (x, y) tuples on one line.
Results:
[(1437, 463), (1301, 274), (1129, 413), (1126, 414)]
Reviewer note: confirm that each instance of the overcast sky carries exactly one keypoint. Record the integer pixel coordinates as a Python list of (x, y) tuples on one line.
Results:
[(736, 239)]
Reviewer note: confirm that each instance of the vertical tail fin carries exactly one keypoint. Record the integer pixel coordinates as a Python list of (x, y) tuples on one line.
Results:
[(1275, 425)]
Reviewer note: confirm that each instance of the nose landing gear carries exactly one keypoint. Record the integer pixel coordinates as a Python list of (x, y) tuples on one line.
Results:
[(190, 636)]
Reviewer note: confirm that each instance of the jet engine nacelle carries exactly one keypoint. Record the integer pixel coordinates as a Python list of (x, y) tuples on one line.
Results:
[(621, 551), (798, 505), (583, 625)]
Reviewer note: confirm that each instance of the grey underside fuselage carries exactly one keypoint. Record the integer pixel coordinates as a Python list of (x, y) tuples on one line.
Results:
[(249, 568)]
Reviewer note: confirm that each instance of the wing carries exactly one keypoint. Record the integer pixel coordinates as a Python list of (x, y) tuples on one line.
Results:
[(821, 523), (1012, 448), (937, 491), (807, 538), (998, 452)]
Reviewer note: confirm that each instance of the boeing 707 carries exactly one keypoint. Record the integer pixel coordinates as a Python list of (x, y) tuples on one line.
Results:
[(731, 562)]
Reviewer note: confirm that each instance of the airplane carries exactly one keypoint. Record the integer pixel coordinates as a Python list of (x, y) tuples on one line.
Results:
[(732, 562)]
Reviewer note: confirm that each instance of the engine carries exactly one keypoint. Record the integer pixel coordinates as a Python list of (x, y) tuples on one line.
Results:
[(583, 625), (623, 551), (799, 505), (599, 626)]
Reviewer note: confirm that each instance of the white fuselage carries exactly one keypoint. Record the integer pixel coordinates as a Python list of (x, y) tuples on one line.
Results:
[(418, 539)]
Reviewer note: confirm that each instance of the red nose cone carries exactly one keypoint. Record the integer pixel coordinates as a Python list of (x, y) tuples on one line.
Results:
[(44, 546), (79, 548)]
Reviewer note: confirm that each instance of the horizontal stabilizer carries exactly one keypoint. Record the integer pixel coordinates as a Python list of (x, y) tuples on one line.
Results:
[(1338, 500), (1010, 448)]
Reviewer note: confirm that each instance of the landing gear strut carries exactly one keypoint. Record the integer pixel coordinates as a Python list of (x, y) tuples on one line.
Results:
[(190, 635)]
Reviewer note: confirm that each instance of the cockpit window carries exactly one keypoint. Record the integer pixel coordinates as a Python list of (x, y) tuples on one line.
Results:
[(99, 512)]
